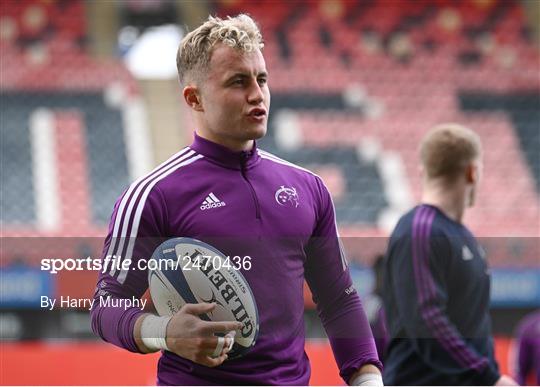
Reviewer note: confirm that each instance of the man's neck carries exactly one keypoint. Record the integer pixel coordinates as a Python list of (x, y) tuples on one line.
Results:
[(450, 201), (234, 145)]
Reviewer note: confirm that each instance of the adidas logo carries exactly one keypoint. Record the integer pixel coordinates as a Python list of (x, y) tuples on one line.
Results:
[(466, 254), (211, 201)]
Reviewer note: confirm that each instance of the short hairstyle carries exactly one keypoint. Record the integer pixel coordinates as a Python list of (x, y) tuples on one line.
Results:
[(447, 149), (195, 50)]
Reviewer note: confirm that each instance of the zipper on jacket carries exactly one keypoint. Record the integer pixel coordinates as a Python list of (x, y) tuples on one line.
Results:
[(245, 156)]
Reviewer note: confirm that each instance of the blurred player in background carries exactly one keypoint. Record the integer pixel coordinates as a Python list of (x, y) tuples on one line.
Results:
[(373, 305), (224, 79), (528, 350), (437, 280)]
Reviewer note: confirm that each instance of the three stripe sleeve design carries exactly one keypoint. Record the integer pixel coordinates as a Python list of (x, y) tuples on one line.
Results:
[(128, 215), (445, 333)]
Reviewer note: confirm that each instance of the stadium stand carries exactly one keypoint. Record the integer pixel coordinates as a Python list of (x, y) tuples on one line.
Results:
[(354, 85), (102, 134), (403, 70), (80, 102), (17, 201)]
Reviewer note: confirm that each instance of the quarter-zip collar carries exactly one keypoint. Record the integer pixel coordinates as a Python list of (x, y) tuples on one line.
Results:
[(224, 156)]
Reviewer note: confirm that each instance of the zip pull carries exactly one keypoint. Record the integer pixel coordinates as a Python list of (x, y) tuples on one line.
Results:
[(243, 162), (244, 158)]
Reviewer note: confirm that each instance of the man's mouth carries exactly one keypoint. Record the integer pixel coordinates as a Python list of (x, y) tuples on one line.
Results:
[(257, 113)]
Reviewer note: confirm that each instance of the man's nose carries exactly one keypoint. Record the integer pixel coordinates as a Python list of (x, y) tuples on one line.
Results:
[(256, 94)]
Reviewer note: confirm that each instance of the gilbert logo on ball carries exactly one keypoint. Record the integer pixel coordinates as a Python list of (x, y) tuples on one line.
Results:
[(186, 270)]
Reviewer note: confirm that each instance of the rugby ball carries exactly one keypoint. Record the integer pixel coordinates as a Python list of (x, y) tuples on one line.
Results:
[(186, 270)]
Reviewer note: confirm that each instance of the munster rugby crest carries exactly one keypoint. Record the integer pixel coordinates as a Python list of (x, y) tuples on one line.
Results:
[(287, 196)]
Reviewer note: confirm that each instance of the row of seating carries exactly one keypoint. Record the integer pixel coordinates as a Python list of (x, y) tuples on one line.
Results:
[(29, 22), (100, 148), (342, 106)]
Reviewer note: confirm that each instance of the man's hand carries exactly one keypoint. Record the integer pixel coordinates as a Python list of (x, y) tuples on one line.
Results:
[(506, 380), (192, 338), (367, 375)]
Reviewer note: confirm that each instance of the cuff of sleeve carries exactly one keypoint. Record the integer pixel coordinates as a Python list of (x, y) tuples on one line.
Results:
[(127, 338), (348, 372)]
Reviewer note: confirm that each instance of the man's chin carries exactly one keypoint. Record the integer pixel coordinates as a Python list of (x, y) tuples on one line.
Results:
[(256, 133)]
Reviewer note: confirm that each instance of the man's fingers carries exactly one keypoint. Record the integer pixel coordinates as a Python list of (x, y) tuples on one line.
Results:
[(209, 344), (219, 347), (216, 346), (197, 309), (215, 361), (210, 327), (229, 337)]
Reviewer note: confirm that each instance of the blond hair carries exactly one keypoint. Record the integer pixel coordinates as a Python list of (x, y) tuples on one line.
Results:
[(195, 50), (447, 149)]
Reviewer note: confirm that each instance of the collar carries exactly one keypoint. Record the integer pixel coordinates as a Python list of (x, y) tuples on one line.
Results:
[(224, 156)]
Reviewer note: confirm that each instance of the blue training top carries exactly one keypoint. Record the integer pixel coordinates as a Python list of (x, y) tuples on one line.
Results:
[(436, 299)]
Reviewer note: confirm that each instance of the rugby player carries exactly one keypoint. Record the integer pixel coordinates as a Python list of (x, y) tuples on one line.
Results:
[(437, 286), (225, 191)]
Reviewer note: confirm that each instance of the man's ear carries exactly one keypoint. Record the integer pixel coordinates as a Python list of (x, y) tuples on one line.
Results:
[(193, 98), (471, 173)]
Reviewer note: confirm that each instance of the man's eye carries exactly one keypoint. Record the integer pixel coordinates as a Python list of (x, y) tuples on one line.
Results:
[(262, 81), (238, 82)]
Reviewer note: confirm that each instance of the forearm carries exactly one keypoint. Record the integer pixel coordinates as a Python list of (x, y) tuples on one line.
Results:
[(460, 355), (350, 336), (116, 326)]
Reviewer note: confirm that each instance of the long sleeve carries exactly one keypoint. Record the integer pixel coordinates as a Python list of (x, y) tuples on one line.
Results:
[(134, 231), (523, 362), (422, 302), (338, 304), (526, 336)]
